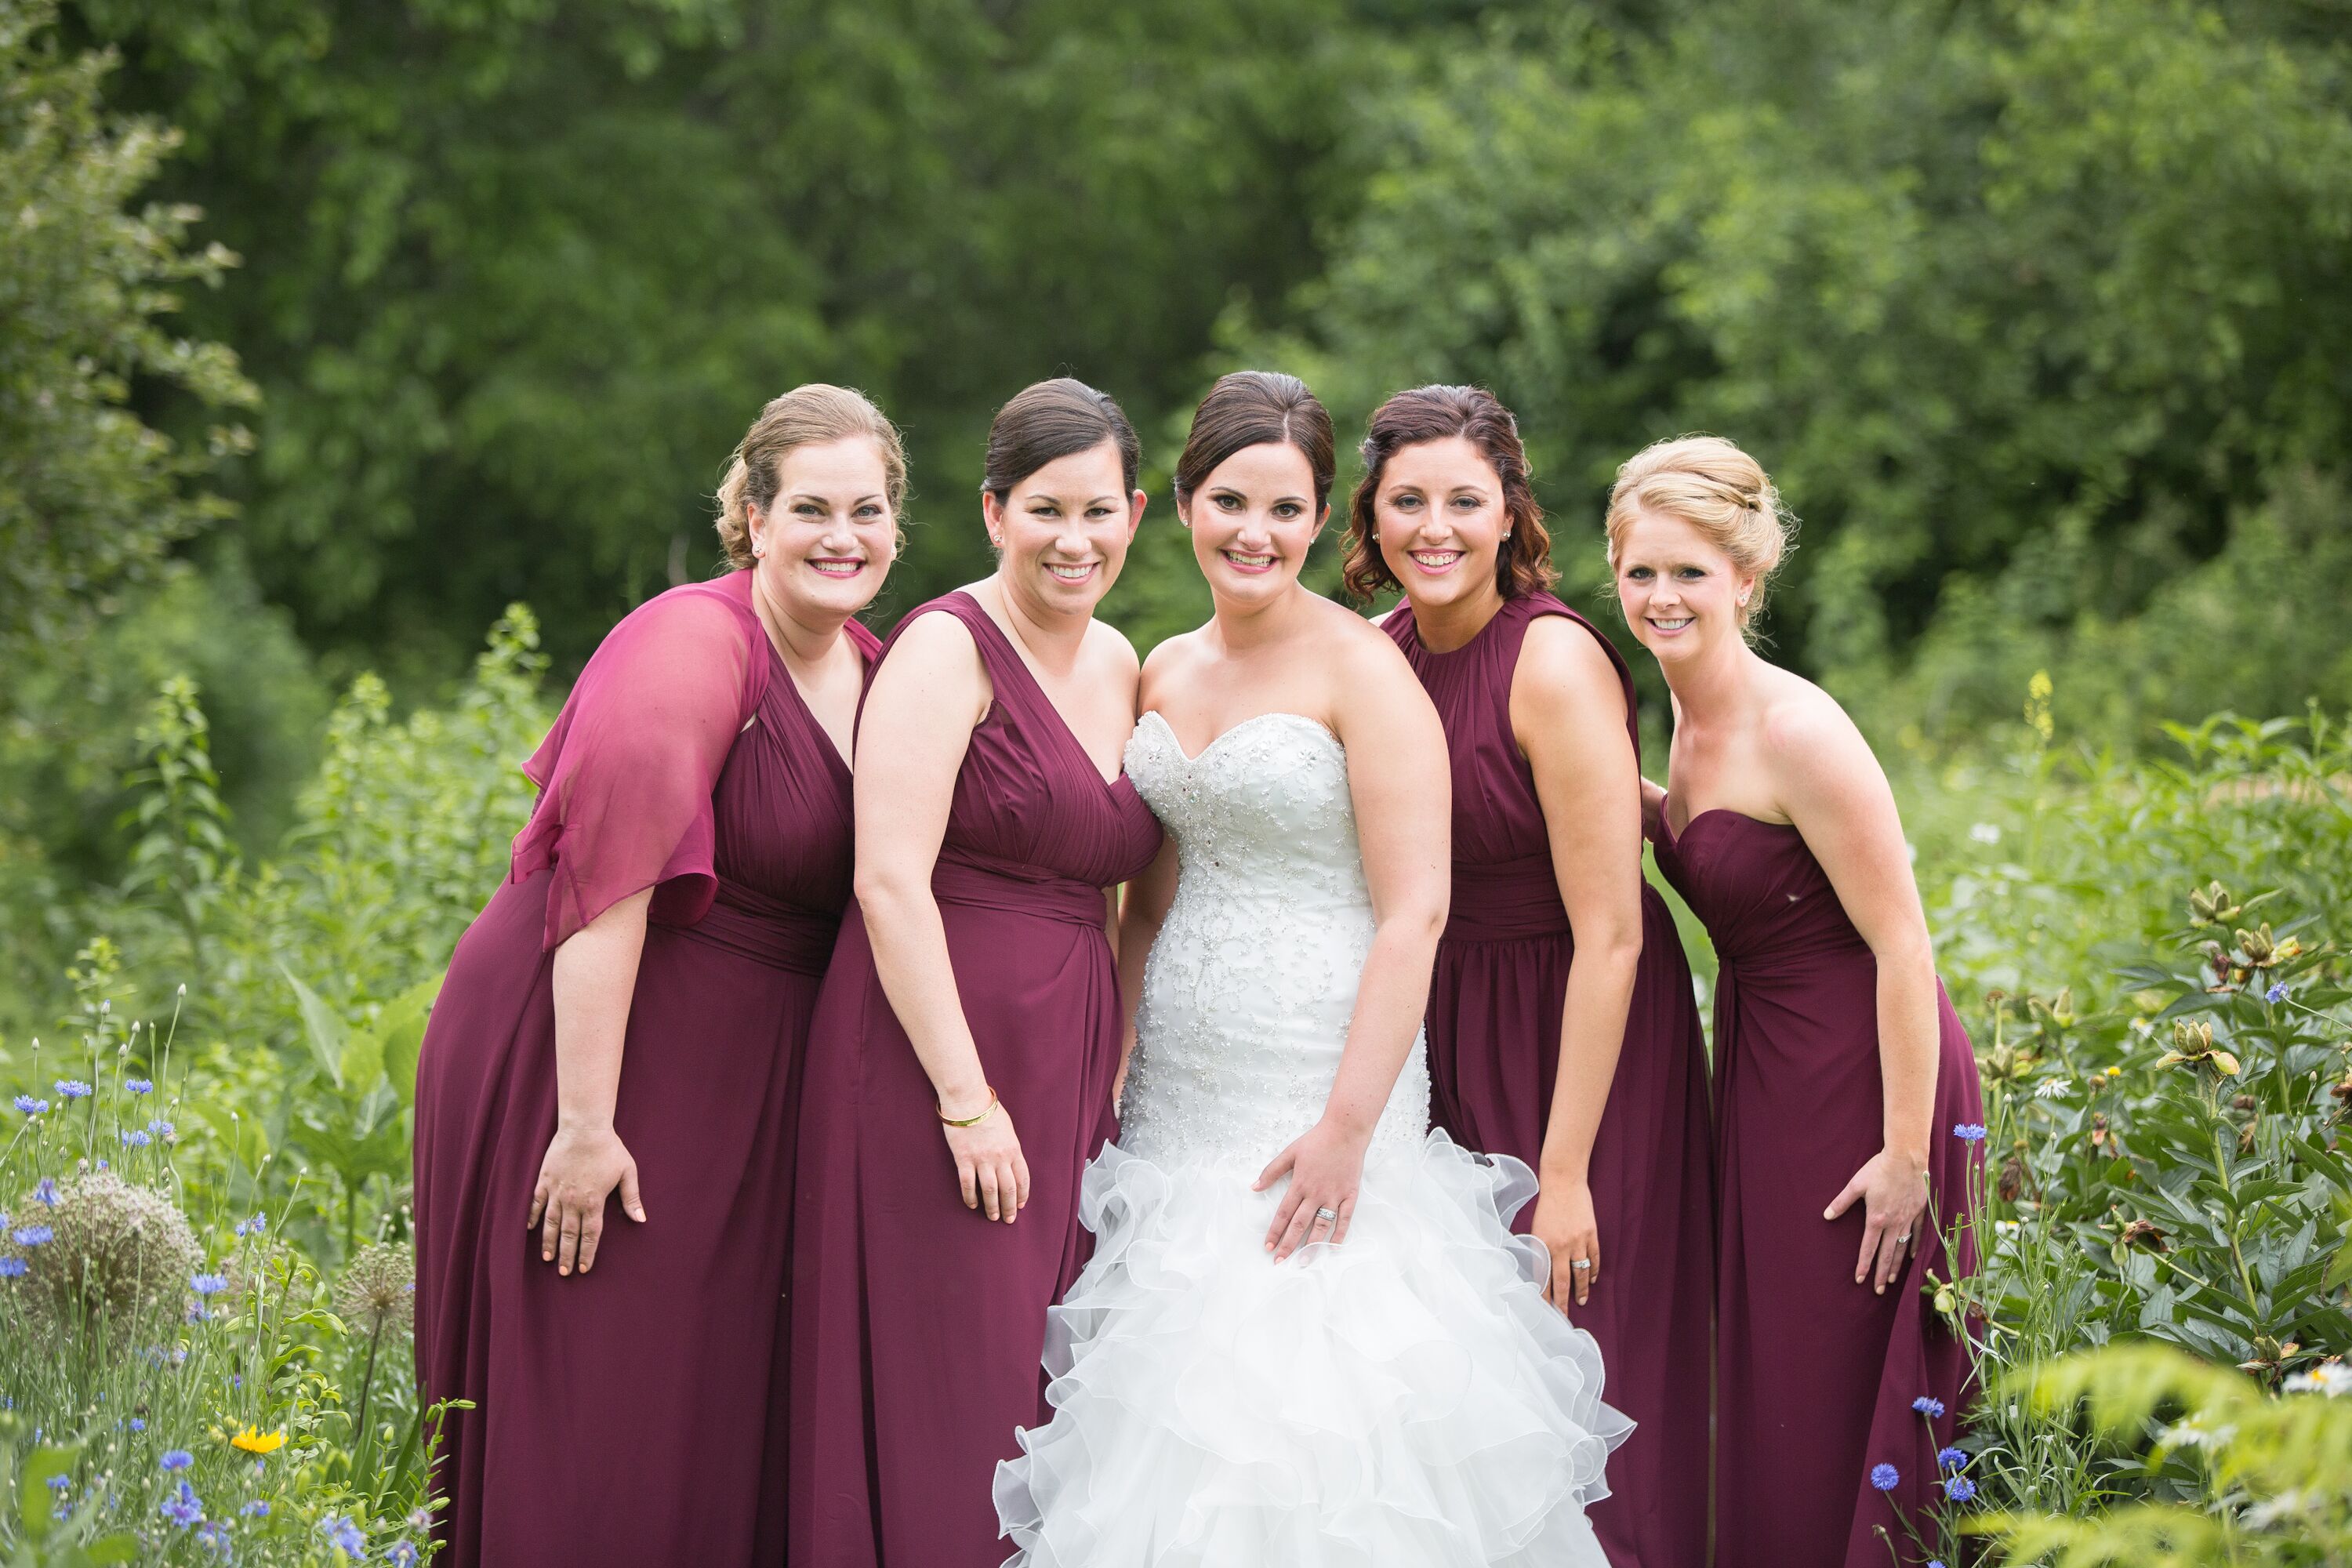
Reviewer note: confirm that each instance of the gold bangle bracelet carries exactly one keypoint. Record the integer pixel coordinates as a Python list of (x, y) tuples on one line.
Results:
[(985, 1112)]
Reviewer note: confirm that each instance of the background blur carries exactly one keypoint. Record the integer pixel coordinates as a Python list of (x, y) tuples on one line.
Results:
[(331, 329)]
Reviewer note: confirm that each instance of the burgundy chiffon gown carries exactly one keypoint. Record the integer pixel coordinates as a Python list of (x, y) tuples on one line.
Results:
[(1816, 1375), (919, 1325), (1494, 1048), (622, 1415)]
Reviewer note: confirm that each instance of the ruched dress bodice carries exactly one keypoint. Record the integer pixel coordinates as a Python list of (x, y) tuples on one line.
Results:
[(1250, 986)]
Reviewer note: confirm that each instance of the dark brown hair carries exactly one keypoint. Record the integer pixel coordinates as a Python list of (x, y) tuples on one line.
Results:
[(1523, 565), (1051, 419), (1257, 408)]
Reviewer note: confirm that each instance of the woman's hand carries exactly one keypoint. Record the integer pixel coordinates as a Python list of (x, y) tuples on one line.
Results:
[(989, 1164), (1653, 811), (1893, 1190), (1325, 1167), (1565, 1224), (582, 1166)]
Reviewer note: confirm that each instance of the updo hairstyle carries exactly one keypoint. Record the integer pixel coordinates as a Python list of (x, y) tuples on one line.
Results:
[(1523, 565), (1718, 490), (1052, 419), (1257, 408), (807, 415)]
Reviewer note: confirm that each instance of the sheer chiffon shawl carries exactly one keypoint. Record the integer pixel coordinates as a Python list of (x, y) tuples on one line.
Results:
[(625, 775)]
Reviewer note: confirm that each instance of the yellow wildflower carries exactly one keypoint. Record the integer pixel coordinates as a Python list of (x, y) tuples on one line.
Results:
[(255, 1441)]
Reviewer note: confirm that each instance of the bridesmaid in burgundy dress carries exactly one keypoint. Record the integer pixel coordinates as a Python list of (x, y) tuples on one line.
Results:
[(1841, 1068), (625, 1021), (1554, 937), (960, 1072)]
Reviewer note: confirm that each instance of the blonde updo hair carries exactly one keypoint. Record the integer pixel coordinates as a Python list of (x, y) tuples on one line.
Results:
[(1712, 485), (805, 416)]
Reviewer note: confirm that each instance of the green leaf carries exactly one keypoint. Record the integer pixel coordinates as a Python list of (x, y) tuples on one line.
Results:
[(402, 1030), (326, 1030)]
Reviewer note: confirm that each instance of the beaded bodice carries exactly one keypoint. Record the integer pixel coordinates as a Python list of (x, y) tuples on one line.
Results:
[(1252, 982)]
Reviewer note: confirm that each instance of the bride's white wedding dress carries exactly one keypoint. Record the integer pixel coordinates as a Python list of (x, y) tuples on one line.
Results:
[(1404, 1397)]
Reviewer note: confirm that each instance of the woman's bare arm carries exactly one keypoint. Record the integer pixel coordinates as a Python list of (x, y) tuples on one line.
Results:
[(595, 978)]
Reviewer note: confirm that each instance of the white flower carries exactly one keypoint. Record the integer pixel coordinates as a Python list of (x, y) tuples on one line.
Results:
[(2051, 1088), (2332, 1378), (2194, 1433), (1985, 833)]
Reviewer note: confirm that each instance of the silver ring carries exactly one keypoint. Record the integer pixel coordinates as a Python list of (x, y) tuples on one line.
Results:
[(1582, 1263), (1903, 1240), (1329, 1216)]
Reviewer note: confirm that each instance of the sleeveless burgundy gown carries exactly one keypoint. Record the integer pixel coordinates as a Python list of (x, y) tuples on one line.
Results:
[(917, 1325), (622, 1415), (1816, 1375), (1494, 1048)]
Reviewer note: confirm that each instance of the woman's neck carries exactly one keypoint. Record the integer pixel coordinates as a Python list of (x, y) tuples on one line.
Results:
[(1243, 628), (803, 639), (1444, 628), (1052, 637), (1715, 686)]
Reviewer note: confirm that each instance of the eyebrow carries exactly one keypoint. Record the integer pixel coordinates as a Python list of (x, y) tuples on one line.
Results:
[(812, 495), (1237, 491)]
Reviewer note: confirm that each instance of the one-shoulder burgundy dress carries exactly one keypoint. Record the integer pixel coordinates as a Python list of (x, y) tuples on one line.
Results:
[(1817, 1376), (917, 1325), (623, 1414), (1494, 1013)]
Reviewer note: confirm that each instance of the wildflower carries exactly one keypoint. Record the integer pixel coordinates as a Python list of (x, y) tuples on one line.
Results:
[(183, 1507), (2212, 906), (213, 1536), (134, 1138), (72, 1088), (1958, 1489), (138, 1086), (29, 1106), (2276, 994), (13, 1268), (257, 1509), (401, 1554), (1927, 1406), (59, 1483), (209, 1284), (2115, 1069), (378, 1290), (161, 1129), (44, 1191), (255, 1441), (2332, 1378), (2143, 1233), (177, 1460), (120, 1249), (1970, 1132), (137, 1425), (1885, 1478), (345, 1536), (1951, 1460), (2053, 1088), (1986, 833), (34, 1236)]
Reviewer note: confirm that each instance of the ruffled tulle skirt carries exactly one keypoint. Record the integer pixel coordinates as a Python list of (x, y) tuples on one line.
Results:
[(1405, 1398)]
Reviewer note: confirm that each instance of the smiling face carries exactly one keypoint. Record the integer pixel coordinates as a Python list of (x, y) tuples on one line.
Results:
[(1064, 530), (1251, 520), (825, 543), (1681, 594), (1440, 519)]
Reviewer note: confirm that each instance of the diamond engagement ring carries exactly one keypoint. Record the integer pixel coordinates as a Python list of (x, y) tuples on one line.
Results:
[(1903, 1240), (1582, 1263), (1329, 1216)]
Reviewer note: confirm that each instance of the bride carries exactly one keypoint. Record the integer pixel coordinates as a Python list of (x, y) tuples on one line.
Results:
[(1306, 1336)]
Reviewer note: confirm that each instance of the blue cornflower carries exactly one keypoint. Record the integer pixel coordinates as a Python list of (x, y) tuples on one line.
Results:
[(1934, 1563), (1885, 1478), (1959, 1488), (345, 1536), (34, 1236), (29, 1106), (2276, 994), (137, 1425), (45, 1190), (401, 1554), (139, 1086), (209, 1284), (13, 1268), (72, 1088), (1970, 1132), (181, 1507), (161, 1128), (59, 1483), (257, 1509), (177, 1460), (1952, 1459), (214, 1535), (1927, 1404), (134, 1138)]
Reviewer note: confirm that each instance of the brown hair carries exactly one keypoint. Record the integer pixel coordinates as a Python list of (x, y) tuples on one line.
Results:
[(805, 416), (1712, 485), (1523, 565), (1051, 419), (1257, 408)]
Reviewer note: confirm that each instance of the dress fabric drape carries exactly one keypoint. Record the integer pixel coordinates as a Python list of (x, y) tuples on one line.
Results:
[(1816, 1377), (624, 1414), (1494, 1014), (917, 1324)]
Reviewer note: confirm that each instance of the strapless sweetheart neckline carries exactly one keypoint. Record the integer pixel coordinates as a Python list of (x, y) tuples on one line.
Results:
[(1230, 730)]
